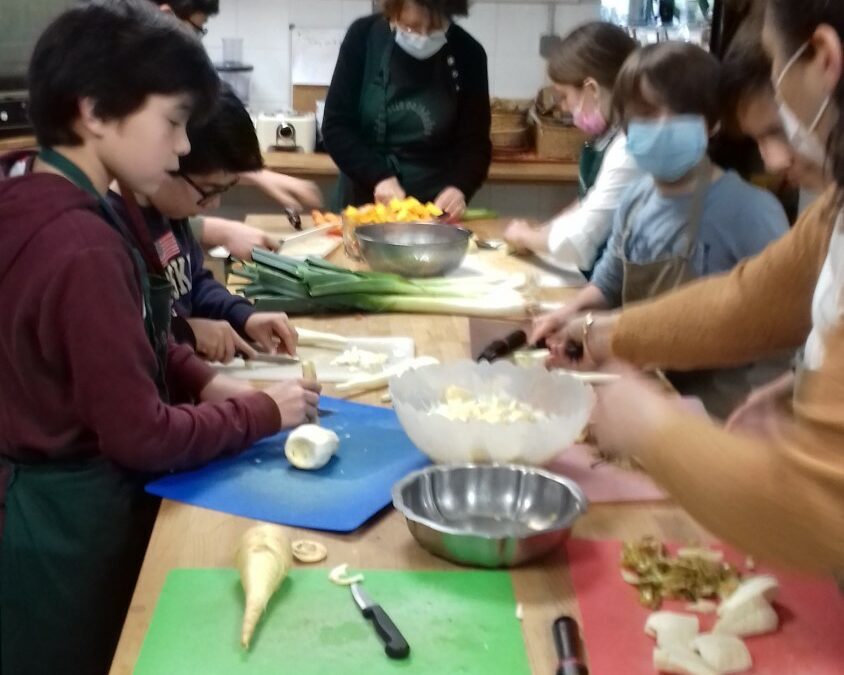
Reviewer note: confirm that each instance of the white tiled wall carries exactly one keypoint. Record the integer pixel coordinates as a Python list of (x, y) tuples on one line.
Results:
[(509, 31)]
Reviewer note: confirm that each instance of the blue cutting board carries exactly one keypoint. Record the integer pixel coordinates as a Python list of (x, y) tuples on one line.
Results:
[(260, 483)]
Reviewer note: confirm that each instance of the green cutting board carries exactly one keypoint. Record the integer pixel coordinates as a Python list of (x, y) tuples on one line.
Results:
[(457, 623)]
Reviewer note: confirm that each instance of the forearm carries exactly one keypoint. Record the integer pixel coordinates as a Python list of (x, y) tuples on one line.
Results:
[(779, 499)]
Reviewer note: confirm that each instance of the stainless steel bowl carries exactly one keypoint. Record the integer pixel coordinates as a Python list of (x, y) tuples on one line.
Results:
[(413, 249), (496, 515)]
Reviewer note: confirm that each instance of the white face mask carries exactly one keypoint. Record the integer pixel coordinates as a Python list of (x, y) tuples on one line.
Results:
[(801, 138), (420, 47)]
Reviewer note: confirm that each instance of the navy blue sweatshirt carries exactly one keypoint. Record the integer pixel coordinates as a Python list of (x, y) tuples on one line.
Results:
[(195, 291)]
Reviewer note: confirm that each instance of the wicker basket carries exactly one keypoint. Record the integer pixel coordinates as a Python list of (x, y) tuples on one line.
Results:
[(558, 141), (511, 139)]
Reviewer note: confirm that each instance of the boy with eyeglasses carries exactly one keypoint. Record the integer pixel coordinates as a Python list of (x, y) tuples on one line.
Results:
[(219, 323)]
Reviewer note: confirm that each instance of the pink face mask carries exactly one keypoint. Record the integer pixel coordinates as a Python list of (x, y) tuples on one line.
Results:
[(593, 122)]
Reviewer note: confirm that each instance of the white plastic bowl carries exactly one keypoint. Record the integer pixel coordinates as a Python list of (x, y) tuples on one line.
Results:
[(564, 399)]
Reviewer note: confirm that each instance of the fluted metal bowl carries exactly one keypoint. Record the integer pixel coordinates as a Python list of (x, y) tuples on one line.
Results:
[(413, 249), (496, 515)]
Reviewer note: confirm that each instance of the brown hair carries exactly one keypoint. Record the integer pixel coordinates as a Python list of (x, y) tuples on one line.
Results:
[(443, 8), (683, 77), (596, 50), (745, 75)]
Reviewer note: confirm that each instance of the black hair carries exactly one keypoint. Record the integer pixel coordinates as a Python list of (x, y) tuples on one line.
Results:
[(596, 50), (443, 8), (796, 22), (683, 76), (118, 53), (745, 73), (185, 8), (224, 140)]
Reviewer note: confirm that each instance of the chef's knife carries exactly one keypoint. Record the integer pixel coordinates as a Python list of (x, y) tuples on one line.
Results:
[(395, 645)]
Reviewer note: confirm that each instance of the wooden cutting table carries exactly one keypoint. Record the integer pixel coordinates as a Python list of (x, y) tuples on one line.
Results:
[(187, 536)]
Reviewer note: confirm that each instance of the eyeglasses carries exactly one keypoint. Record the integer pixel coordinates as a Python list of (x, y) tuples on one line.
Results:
[(205, 196), (201, 31)]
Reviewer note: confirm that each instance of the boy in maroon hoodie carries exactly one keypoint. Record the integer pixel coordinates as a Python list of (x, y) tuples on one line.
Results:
[(93, 394)]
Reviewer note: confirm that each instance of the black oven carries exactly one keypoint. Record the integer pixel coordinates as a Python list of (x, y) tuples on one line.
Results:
[(21, 23)]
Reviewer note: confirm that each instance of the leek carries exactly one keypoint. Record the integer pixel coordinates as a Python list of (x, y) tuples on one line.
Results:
[(280, 283)]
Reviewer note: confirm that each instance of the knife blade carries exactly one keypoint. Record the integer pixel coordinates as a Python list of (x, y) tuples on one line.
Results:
[(279, 359), (305, 234), (395, 646)]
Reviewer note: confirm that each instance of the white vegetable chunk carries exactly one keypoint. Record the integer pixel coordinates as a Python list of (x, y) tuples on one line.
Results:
[(764, 586), (672, 629), (725, 653), (753, 617), (681, 661), (310, 446)]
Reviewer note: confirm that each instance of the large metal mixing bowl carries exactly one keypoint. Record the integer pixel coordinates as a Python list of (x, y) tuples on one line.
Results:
[(488, 515), (413, 249)]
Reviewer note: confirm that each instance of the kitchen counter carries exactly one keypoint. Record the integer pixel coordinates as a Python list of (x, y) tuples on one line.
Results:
[(320, 165), (16, 143), (187, 536)]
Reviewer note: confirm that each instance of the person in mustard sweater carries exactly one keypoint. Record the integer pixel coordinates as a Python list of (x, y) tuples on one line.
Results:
[(777, 491)]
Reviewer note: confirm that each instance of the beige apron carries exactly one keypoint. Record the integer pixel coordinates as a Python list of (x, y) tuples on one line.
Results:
[(720, 390)]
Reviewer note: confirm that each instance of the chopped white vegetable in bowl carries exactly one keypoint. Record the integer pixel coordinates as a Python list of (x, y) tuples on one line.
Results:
[(480, 412)]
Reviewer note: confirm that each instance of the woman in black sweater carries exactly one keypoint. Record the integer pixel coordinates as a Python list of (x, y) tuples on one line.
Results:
[(408, 110)]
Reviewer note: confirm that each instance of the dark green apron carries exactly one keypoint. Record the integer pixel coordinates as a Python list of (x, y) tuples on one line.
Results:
[(75, 530), (403, 119), (591, 160)]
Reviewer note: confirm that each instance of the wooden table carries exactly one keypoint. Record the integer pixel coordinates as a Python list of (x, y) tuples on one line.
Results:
[(187, 536), (320, 165)]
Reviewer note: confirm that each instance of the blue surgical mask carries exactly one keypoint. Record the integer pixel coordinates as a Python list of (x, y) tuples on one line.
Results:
[(418, 46), (668, 148)]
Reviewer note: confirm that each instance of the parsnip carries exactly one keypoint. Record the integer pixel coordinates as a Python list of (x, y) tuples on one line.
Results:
[(263, 559), (310, 446)]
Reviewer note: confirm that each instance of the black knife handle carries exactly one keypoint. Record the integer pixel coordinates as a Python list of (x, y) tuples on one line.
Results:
[(395, 645)]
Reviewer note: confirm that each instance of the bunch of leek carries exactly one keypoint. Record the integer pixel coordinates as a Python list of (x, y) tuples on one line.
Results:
[(281, 283)]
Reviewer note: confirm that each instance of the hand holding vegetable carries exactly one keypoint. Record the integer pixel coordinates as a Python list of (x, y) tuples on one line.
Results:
[(218, 341), (264, 558), (568, 350), (388, 189), (297, 401), (452, 201), (522, 236), (270, 328)]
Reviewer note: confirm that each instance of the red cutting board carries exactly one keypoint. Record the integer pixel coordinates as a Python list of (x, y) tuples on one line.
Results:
[(810, 640), (605, 483)]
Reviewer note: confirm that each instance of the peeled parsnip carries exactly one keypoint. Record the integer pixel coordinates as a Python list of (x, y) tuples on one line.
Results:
[(310, 446), (263, 558)]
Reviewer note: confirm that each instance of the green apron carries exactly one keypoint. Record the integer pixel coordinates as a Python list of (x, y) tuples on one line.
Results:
[(404, 119), (75, 529), (591, 160)]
